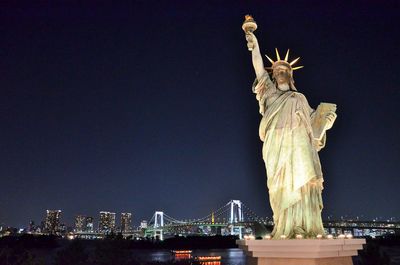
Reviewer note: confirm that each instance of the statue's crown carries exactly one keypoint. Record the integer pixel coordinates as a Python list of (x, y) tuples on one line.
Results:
[(284, 62)]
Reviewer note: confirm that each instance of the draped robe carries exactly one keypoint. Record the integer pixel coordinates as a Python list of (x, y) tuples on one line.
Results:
[(290, 153)]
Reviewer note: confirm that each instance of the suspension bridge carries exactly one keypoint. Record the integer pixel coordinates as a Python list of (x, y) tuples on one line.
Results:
[(233, 218)]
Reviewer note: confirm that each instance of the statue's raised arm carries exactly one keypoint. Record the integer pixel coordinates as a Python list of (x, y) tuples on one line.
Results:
[(249, 26), (258, 63)]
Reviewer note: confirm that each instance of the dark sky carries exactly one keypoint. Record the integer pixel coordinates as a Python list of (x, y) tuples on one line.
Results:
[(147, 106)]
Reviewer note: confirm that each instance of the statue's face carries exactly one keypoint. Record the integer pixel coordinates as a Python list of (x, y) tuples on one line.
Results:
[(282, 74)]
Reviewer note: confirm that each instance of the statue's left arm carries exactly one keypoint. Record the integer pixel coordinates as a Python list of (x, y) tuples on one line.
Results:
[(330, 119), (320, 124)]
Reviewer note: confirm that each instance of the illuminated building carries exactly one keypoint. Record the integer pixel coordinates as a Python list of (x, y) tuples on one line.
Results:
[(89, 224), (126, 222), (80, 223), (106, 222), (143, 224), (52, 222), (32, 227), (63, 228)]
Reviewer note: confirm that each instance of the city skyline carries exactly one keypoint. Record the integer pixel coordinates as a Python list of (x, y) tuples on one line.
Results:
[(234, 218), (86, 222), (141, 107)]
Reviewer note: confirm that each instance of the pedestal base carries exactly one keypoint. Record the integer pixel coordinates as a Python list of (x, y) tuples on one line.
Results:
[(301, 251), (282, 261)]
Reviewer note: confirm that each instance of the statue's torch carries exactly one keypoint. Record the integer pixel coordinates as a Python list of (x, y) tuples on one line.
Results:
[(249, 25)]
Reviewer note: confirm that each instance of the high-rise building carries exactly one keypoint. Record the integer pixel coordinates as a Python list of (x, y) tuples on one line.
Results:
[(32, 227), (89, 224), (52, 223), (143, 224), (80, 223), (64, 229), (83, 223), (126, 222), (106, 222)]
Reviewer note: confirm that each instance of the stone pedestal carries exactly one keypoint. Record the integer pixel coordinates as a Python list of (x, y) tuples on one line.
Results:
[(301, 251)]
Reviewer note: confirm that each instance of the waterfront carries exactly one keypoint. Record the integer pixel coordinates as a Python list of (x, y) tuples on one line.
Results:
[(232, 256), (48, 250)]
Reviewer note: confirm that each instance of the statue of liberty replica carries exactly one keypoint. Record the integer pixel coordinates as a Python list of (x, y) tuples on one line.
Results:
[(292, 134)]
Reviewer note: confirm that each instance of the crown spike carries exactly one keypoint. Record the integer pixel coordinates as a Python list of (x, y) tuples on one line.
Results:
[(287, 55), (269, 59), (298, 67), (294, 61), (277, 54)]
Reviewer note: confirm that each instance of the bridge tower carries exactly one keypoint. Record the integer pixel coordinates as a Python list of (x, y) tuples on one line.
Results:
[(158, 224), (158, 219), (236, 217), (236, 211)]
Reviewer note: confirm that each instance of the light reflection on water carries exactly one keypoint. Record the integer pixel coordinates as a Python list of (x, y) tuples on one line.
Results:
[(231, 256), (211, 263)]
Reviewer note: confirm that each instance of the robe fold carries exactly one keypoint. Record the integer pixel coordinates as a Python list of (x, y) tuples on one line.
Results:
[(290, 153)]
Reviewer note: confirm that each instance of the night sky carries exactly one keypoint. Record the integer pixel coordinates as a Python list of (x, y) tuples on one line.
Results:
[(147, 106)]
